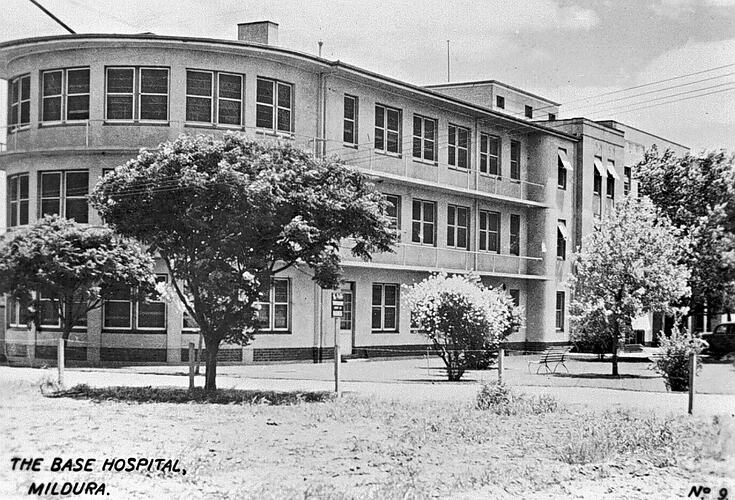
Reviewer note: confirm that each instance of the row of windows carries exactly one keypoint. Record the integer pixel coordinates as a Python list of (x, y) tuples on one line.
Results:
[(527, 109), (63, 193), (610, 174), (142, 93)]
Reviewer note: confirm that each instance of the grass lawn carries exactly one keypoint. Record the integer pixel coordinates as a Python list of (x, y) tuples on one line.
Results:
[(359, 447)]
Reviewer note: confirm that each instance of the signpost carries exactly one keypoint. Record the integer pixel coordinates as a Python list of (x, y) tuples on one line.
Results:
[(338, 305)]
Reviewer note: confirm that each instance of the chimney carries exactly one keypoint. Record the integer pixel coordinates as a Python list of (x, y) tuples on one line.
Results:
[(263, 32)]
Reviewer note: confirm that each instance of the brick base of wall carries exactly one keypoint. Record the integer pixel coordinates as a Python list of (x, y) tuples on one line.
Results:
[(132, 354), (70, 353), (222, 355)]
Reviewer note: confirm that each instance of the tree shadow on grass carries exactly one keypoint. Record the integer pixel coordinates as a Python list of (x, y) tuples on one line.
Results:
[(178, 395), (605, 376)]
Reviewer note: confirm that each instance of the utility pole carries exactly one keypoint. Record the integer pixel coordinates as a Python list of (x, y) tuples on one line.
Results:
[(448, 61), (48, 13), (320, 48)]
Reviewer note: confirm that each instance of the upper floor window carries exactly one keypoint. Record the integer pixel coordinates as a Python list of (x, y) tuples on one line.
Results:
[(458, 226), (423, 222), (515, 160), (213, 97), (552, 117), (17, 200), (490, 231), (560, 300), (561, 239), (562, 166), (627, 180), (528, 110), (500, 101), (274, 310), (65, 193), (515, 234), (136, 94), (459, 146), (349, 134), (424, 138), (274, 105), (612, 176), (597, 179), (65, 95), (387, 129), (515, 294), (394, 210), (19, 102), (490, 154), (385, 307)]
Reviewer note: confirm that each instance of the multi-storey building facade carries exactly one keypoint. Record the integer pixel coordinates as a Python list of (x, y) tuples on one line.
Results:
[(472, 189)]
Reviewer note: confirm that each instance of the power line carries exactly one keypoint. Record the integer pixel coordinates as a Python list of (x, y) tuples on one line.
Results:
[(48, 13), (674, 101)]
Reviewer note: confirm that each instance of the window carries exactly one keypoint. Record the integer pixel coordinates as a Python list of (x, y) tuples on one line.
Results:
[(515, 234), (273, 105), (387, 129), (17, 200), (627, 180), (394, 210), (458, 227), (17, 312), (599, 172), (490, 231), (423, 222), (562, 166), (458, 147), (274, 310), (349, 135), (560, 311), (65, 193), (152, 315), (424, 138), (528, 111), (490, 154), (561, 239), (19, 102), (385, 307), (516, 296), (65, 95), (188, 322), (117, 310), (552, 117), (210, 103), (500, 101), (137, 94), (612, 176), (515, 160), (48, 315), (346, 321)]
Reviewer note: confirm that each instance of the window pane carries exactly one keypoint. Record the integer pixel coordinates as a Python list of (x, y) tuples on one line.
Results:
[(229, 112), (379, 139), (265, 92), (198, 109), (120, 107), (117, 314), (348, 134), (264, 316), (392, 142), (51, 185), (417, 147), (393, 119), (230, 86), (77, 81), (154, 81), (199, 83), (23, 219), (120, 80), (376, 317), (25, 112), (390, 318), (51, 109), (77, 183), (377, 295), (284, 95), (77, 107), (77, 209), (52, 83), (429, 128), (379, 116), (284, 120), (152, 315), (280, 316), (349, 104), (428, 234), (47, 313), (264, 116), (428, 211), (153, 107), (280, 290), (391, 295), (23, 187), (25, 88)]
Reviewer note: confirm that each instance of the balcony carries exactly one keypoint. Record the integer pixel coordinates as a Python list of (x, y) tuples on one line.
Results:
[(413, 257)]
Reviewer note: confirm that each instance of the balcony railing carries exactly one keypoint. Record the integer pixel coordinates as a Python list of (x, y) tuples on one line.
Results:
[(412, 255)]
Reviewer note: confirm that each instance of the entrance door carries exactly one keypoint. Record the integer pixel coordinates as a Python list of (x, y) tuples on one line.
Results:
[(347, 322)]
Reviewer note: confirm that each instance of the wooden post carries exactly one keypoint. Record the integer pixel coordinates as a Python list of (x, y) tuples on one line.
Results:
[(692, 374), (337, 357), (191, 365), (199, 354), (501, 356), (60, 362)]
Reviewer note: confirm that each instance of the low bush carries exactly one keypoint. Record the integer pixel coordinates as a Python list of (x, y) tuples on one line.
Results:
[(501, 400), (673, 359), (176, 395)]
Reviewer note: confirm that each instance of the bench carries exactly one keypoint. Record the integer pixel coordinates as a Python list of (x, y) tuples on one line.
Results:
[(553, 356)]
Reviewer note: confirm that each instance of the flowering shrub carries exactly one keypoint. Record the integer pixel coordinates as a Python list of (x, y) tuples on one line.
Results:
[(673, 359), (465, 320)]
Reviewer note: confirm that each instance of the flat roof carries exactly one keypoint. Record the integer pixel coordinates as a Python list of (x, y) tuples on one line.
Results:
[(335, 64), (603, 122), (491, 82)]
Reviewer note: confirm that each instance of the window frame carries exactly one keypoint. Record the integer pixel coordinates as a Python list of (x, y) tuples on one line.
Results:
[(454, 147), (561, 239), (500, 102), (528, 111), (559, 311), (385, 131), (383, 307), (271, 304), (423, 223), (561, 170), (13, 306), (348, 311), (14, 126), (18, 200), (63, 195), (515, 163), (139, 304), (486, 155), (454, 228), (137, 94), (64, 96), (486, 232), (131, 313), (397, 204), (352, 122), (627, 180), (215, 98), (275, 106), (610, 183), (423, 140), (515, 235)]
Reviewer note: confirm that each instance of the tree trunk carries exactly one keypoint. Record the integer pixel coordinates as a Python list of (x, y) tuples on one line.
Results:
[(615, 361), (210, 376)]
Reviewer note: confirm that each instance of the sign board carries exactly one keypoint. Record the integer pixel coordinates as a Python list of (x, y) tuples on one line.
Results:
[(338, 304)]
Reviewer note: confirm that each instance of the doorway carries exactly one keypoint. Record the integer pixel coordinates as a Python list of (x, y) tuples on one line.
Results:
[(347, 321)]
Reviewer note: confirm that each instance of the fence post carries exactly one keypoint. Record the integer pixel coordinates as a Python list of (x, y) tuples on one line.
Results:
[(501, 356), (191, 365), (692, 373), (60, 361)]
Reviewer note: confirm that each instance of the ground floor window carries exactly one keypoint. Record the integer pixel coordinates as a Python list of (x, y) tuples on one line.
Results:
[(119, 311), (560, 299), (346, 322), (274, 310), (385, 307)]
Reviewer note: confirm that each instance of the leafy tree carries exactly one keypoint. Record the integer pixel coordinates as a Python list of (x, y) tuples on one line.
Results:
[(71, 264), (697, 193), (630, 264), (673, 361), (226, 215), (464, 319)]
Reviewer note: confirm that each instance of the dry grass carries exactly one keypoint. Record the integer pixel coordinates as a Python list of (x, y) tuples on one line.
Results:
[(364, 448)]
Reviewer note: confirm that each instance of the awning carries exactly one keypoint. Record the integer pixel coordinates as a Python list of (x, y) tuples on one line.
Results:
[(563, 230), (611, 171), (564, 160), (599, 167)]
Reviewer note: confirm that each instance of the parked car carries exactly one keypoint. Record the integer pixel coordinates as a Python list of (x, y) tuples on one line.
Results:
[(722, 339)]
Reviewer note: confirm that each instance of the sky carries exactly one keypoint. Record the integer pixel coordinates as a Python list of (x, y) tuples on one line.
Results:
[(568, 51)]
